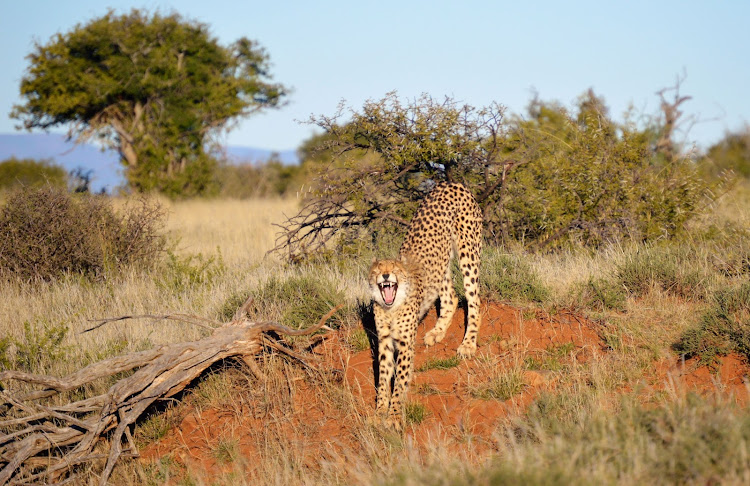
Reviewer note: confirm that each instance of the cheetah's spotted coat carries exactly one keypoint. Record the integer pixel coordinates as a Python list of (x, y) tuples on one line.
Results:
[(447, 223)]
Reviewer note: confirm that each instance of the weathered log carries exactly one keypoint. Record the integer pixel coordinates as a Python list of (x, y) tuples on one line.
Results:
[(46, 443)]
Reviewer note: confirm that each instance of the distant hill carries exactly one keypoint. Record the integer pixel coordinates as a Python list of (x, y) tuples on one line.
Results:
[(107, 173)]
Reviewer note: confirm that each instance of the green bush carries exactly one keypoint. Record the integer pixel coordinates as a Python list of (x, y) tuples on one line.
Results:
[(590, 180), (31, 173), (732, 153), (183, 272), (554, 178), (48, 232)]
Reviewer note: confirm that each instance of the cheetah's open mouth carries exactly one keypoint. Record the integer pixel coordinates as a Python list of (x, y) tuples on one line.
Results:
[(388, 291)]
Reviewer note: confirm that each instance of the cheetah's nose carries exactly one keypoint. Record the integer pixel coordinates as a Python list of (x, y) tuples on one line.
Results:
[(385, 276)]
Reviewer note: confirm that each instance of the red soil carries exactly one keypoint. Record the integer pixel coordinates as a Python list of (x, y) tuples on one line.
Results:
[(509, 337)]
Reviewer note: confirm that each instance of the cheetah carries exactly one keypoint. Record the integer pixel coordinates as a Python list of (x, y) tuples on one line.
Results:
[(448, 223)]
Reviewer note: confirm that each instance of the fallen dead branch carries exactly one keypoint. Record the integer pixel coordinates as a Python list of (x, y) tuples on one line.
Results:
[(44, 444)]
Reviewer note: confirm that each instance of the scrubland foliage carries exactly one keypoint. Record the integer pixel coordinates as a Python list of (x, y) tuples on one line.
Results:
[(732, 153), (652, 301), (551, 179), (48, 233), (723, 328), (268, 179), (30, 173)]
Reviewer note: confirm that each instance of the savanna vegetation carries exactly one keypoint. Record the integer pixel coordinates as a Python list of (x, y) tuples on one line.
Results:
[(155, 88), (653, 300), (613, 221)]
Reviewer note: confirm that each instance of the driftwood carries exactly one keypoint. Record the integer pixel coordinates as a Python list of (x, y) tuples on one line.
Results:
[(44, 444)]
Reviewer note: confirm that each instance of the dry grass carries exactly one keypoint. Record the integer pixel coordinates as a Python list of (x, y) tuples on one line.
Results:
[(559, 439), (219, 259), (241, 231)]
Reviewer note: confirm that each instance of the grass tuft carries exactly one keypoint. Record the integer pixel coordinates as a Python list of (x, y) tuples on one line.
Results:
[(672, 269), (440, 363), (415, 413), (723, 328), (300, 300), (507, 277), (502, 385)]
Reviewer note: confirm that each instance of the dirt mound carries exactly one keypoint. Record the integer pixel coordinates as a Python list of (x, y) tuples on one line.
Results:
[(453, 395), (520, 354)]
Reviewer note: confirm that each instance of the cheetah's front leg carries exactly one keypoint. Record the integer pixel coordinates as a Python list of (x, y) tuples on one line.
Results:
[(404, 367), (385, 374)]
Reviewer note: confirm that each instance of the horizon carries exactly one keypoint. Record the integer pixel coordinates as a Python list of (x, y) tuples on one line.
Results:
[(474, 53)]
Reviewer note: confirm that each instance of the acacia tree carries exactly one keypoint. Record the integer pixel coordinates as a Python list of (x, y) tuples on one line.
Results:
[(156, 88)]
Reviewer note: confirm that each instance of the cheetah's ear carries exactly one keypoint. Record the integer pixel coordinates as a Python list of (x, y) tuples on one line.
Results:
[(373, 260)]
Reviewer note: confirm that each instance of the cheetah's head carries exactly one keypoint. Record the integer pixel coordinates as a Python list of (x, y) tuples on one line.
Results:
[(389, 283)]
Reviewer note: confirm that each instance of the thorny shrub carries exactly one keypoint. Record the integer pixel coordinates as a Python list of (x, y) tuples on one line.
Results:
[(47, 232)]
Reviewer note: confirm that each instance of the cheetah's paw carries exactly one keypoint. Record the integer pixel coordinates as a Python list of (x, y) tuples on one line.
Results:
[(433, 337), (467, 350)]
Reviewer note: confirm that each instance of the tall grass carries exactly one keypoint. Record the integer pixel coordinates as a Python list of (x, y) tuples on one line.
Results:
[(646, 299)]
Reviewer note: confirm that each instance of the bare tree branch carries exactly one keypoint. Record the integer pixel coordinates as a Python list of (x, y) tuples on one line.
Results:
[(44, 444)]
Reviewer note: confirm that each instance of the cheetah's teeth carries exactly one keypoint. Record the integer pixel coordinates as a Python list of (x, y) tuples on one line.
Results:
[(388, 291)]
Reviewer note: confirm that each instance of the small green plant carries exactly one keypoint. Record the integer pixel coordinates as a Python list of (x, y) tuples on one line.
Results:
[(602, 294), (415, 413), (553, 358), (41, 346), (502, 386), (183, 272), (440, 364), (358, 340), (156, 426), (227, 450), (426, 389)]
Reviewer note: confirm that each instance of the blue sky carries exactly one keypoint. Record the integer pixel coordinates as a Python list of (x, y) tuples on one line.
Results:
[(476, 52)]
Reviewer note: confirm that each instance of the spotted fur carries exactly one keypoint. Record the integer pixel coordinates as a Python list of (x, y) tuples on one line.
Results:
[(448, 223)]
